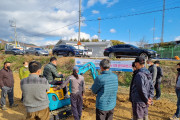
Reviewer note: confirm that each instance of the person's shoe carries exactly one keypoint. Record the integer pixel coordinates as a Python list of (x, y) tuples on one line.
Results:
[(3, 107), (66, 96), (158, 98), (13, 105), (174, 118)]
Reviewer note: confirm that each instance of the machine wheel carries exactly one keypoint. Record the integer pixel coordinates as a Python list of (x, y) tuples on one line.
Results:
[(111, 55), (36, 54), (70, 54), (144, 55)]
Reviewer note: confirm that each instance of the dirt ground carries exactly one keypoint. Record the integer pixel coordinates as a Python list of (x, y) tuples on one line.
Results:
[(161, 110)]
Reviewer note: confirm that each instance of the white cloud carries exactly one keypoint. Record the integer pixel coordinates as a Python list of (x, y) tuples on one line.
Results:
[(34, 18), (75, 36), (177, 38), (109, 3), (94, 37), (157, 38), (112, 30), (95, 11)]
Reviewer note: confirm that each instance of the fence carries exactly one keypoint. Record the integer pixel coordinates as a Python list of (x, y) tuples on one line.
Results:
[(168, 52)]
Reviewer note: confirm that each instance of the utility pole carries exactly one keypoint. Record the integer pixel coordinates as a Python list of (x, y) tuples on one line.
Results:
[(79, 35), (129, 36), (154, 31), (162, 33), (99, 32), (13, 25)]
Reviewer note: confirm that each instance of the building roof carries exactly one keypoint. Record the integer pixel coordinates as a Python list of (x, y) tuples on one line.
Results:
[(85, 43)]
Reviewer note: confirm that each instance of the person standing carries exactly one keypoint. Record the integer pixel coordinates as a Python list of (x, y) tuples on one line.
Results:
[(176, 116), (78, 89), (142, 90), (158, 80), (34, 90), (153, 70), (7, 86), (50, 71), (106, 87), (24, 73)]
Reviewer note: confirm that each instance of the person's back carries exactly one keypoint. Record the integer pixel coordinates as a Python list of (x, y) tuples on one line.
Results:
[(34, 89), (107, 93), (77, 85), (106, 87), (34, 92)]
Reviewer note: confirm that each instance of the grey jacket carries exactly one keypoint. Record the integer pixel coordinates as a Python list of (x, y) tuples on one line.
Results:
[(77, 85), (142, 87), (50, 72), (34, 90), (153, 70)]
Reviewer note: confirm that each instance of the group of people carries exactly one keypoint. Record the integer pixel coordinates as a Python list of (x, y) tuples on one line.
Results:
[(34, 87)]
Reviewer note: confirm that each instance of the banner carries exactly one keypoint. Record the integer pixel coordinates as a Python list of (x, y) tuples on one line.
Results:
[(125, 66)]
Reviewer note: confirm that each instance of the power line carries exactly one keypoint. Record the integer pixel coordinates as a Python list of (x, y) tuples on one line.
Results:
[(115, 17), (135, 14), (56, 29)]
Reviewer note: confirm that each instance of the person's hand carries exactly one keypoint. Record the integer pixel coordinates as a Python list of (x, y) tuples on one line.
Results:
[(55, 88), (149, 101)]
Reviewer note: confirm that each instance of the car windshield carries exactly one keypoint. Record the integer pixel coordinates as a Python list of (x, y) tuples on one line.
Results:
[(72, 47), (134, 46), (15, 49), (38, 49)]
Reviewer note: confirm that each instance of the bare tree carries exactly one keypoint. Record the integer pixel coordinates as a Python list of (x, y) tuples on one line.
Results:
[(142, 42)]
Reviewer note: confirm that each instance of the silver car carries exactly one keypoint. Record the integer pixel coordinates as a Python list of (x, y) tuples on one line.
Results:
[(37, 52)]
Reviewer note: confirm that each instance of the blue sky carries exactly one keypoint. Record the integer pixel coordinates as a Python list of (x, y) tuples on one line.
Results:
[(35, 20), (140, 25)]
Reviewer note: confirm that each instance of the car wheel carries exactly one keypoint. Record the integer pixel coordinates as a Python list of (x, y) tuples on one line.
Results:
[(111, 55), (144, 55), (70, 54), (36, 54), (14, 53)]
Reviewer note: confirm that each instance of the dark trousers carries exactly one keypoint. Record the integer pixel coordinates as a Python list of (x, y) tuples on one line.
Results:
[(7, 91), (104, 115), (178, 103), (158, 89), (140, 111), (76, 105)]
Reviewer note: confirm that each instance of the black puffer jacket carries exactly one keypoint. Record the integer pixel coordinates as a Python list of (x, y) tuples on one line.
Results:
[(142, 86)]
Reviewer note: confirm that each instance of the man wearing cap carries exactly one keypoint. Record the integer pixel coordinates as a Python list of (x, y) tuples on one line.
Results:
[(142, 90), (158, 80), (153, 70), (105, 86)]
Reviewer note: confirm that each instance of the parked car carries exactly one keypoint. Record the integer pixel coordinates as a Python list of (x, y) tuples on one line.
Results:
[(14, 51), (127, 50), (87, 53), (37, 51), (67, 50)]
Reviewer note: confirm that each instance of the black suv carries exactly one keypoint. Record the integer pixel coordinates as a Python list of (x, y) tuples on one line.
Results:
[(126, 50), (66, 50)]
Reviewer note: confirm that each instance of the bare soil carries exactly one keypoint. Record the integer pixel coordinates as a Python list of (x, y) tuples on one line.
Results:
[(161, 110)]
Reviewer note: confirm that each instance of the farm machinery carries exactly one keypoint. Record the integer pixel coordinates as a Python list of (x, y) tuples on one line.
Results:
[(60, 106)]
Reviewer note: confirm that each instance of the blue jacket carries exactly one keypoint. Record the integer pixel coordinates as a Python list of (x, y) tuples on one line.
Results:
[(142, 86), (105, 86)]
